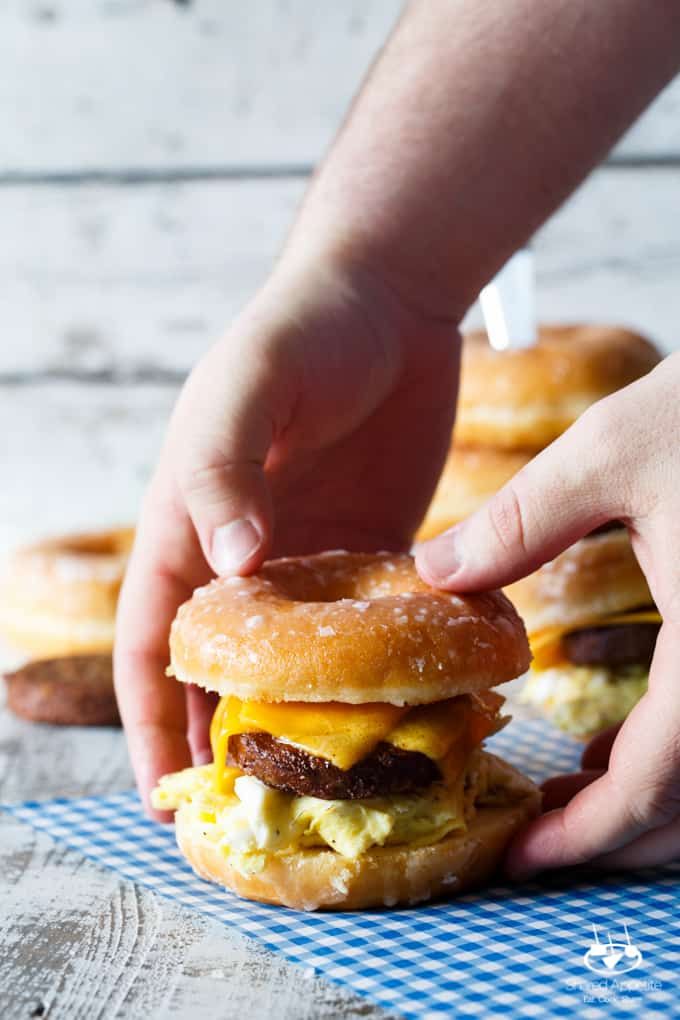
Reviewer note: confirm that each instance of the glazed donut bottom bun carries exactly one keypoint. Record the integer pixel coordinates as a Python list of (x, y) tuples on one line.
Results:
[(384, 876)]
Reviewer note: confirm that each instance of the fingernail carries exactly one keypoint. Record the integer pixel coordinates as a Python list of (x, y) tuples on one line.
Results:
[(440, 557), (203, 757), (233, 544)]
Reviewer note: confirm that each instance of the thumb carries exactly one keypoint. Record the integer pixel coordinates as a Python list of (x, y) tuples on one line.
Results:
[(557, 498), (227, 433)]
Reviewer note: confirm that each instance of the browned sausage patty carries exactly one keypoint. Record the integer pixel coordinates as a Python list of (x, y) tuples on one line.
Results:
[(76, 690), (384, 771), (623, 645)]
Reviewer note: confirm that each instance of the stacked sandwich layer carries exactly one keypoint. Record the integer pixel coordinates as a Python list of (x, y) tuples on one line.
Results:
[(589, 614), (348, 768), (58, 600)]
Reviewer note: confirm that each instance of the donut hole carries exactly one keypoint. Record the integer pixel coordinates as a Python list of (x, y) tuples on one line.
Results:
[(340, 580), (112, 543)]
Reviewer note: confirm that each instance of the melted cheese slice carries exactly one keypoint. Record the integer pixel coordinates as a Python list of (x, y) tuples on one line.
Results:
[(344, 734), (341, 733), (546, 644)]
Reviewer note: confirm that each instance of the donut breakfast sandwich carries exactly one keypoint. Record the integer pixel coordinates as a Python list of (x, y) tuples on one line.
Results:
[(349, 769)]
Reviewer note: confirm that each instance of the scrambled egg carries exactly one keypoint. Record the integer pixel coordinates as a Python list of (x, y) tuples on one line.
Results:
[(255, 820), (585, 699)]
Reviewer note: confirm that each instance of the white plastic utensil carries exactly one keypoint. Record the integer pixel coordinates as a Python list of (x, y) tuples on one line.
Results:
[(613, 955), (630, 949), (596, 948), (508, 304)]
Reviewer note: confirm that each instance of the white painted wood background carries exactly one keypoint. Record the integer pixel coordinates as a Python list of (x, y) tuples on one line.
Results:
[(152, 155)]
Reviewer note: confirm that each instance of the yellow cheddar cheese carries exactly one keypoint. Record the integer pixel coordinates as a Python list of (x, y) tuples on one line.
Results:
[(341, 733)]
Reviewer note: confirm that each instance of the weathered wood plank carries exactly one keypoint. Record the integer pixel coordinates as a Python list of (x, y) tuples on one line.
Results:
[(131, 83), (77, 943), (111, 279), (96, 277), (119, 84)]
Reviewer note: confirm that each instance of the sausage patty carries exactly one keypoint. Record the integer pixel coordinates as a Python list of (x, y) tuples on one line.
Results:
[(75, 690), (623, 645), (386, 770)]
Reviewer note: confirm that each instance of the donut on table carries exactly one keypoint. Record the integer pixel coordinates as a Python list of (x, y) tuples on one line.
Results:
[(58, 597)]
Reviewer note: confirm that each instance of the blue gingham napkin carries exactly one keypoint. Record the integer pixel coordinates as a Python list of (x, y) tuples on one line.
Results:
[(511, 950)]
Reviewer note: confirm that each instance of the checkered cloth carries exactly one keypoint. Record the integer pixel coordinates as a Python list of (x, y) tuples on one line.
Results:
[(511, 951)]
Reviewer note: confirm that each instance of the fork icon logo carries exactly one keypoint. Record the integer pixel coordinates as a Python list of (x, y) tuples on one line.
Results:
[(612, 958)]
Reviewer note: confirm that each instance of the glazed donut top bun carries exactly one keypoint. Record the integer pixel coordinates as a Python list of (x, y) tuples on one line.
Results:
[(347, 627), (470, 476), (595, 578), (526, 397)]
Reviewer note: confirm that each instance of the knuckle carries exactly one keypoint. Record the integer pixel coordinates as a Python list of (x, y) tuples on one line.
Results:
[(508, 519), (601, 423), (196, 477), (648, 797)]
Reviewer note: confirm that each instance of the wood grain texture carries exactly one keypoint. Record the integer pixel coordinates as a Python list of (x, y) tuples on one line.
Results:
[(102, 278), (139, 281), (78, 943), (76, 456), (138, 84), (119, 85)]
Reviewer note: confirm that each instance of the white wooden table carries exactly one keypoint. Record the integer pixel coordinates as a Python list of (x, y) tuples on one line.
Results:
[(151, 158)]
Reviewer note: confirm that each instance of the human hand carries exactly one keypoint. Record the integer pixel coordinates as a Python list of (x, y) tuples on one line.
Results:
[(320, 421), (620, 461)]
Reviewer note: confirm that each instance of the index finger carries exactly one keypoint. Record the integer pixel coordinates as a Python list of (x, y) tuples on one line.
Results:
[(165, 566), (639, 792)]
